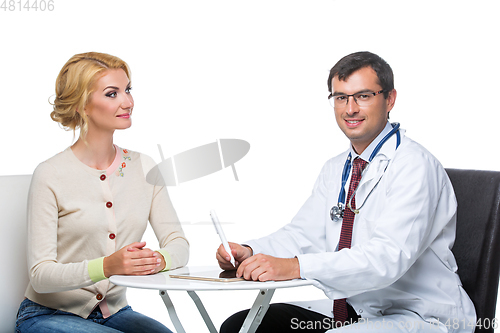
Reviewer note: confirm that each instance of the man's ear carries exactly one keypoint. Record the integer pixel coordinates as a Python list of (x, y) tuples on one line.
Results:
[(391, 99)]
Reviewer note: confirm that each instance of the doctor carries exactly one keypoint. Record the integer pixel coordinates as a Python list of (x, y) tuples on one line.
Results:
[(376, 233)]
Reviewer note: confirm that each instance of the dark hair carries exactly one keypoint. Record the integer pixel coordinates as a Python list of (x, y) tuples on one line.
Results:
[(352, 62)]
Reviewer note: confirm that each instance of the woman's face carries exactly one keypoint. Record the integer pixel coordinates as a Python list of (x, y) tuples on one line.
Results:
[(110, 105)]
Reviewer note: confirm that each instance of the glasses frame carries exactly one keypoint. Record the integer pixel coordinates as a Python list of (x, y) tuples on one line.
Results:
[(332, 102)]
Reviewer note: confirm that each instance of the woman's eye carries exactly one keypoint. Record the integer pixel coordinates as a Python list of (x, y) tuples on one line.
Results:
[(111, 94), (128, 90)]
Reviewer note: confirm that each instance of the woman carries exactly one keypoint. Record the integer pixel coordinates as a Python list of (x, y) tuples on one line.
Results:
[(88, 209)]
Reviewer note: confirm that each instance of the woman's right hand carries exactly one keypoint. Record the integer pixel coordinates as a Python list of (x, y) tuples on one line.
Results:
[(132, 259)]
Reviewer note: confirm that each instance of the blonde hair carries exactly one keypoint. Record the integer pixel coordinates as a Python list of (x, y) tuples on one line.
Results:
[(74, 85)]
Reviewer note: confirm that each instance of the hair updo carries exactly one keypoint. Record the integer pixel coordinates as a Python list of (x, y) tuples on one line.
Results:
[(74, 85)]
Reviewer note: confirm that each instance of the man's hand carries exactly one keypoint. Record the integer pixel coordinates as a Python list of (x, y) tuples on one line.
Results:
[(133, 259), (240, 253), (261, 267)]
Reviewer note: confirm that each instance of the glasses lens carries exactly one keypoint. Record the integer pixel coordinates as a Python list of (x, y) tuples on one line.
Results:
[(364, 99), (331, 100), (339, 101)]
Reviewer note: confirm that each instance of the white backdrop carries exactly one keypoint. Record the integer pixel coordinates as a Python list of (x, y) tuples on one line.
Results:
[(256, 71)]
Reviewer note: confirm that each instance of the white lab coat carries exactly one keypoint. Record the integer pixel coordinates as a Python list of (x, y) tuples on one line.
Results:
[(400, 259)]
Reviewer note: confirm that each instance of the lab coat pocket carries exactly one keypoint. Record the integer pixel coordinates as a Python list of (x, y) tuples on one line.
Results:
[(362, 231)]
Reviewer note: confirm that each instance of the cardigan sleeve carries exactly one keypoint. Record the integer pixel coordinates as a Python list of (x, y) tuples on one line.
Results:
[(173, 243), (174, 246), (46, 273)]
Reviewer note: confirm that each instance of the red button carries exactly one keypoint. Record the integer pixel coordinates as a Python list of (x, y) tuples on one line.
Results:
[(103, 177), (112, 236), (99, 297), (109, 204)]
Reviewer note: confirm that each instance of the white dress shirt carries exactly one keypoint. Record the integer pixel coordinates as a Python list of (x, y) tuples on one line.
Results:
[(400, 260)]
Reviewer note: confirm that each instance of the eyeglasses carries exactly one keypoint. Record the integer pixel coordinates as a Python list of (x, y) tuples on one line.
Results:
[(362, 99)]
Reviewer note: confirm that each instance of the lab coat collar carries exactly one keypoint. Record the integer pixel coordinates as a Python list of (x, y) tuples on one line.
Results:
[(388, 150)]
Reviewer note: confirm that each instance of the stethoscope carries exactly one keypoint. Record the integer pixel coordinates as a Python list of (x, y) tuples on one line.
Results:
[(337, 212)]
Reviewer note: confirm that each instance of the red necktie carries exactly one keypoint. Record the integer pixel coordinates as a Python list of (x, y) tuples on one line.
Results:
[(340, 305)]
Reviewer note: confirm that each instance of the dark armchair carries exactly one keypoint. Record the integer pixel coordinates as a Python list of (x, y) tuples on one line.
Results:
[(477, 245)]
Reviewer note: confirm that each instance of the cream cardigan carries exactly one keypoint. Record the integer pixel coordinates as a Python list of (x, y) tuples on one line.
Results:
[(77, 215)]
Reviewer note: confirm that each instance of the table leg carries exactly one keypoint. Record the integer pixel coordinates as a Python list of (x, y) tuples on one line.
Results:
[(171, 311), (257, 312), (202, 311)]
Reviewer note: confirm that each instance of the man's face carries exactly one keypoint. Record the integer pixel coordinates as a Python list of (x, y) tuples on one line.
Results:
[(362, 124)]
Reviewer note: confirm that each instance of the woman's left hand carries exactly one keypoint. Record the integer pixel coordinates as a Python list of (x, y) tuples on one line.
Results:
[(133, 259), (156, 254)]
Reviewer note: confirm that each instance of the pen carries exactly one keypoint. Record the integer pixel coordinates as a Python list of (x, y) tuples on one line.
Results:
[(223, 239)]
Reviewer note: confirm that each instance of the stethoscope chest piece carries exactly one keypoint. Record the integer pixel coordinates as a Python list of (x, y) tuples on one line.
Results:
[(337, 212)]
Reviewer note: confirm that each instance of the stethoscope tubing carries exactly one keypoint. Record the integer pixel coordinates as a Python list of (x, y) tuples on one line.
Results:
[(337, 212)]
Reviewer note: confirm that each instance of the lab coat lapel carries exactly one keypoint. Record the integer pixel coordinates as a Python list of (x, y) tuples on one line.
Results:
[(373, 172), (376, 168)]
